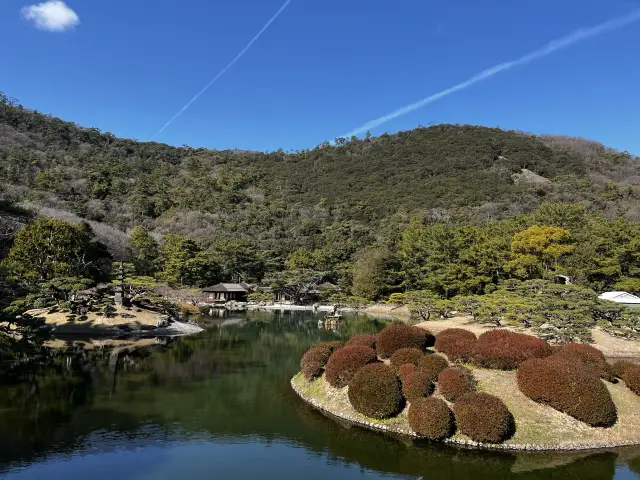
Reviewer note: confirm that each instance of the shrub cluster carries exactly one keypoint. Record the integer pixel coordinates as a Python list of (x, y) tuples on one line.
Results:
[(345, 362), (365, 339), (406, 369), (431, 418), (456, 343), (398, 335), (374, 391), (432, 366), (568, 387), (590, 357), (505, 350), (632, 378), (406, 355), (620, 367), (314, 360), (483, 417), (416, 385), (453, 382)]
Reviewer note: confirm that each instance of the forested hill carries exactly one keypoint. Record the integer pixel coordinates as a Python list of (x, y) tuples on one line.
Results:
[(350, 193)]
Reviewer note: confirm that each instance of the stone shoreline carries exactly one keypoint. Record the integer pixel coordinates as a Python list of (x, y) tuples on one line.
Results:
[(390, 429)]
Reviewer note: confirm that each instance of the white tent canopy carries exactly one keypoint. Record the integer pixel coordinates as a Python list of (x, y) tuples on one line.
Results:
[(620, 297)]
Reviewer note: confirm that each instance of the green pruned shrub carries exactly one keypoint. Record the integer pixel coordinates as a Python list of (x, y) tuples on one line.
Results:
[(405, 370), (374, 391), (592, 358), (568, 386), (483, 417), (345, 362), (365, 339), (313, 361), (432, 365), (619, 367), (398, 335), (632, 378), (505, 350), (416, 385), (453, 382), (406, 355), (431, 418)]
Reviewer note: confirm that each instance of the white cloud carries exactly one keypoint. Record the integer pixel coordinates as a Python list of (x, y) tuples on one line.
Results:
[(53, 16)]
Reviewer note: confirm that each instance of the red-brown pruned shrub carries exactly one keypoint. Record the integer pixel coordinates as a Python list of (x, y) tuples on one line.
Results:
[(313, 361), (406, 355), (405, 370), (416, 385), (453, 382), (619, 367), (632, 378), (592, 358), (365, 339), (374, 391), (398, 335), (505, 350), (456, 343), (568, 386), (332, 345), (483, 417), (432, 365), (431, 418), (345, 362)]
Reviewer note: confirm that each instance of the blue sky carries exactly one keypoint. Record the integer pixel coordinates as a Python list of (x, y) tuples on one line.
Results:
[(323, 68)]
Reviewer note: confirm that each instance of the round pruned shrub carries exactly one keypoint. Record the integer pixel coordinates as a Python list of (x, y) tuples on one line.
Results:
[(431, 418), (505, 350), (398, 335), (632, 378), (345, 362), (365, 339), (453, 382), (416, 385), (332, 345), (483, 417), (568, 386), (432, 365), (447, 337), (314, 360), (592, 359), (406, 355), (374, 391), (405, 370), (620, 367)]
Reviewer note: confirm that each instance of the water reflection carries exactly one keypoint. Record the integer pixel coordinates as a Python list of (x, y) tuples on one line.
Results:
[(202, 403)]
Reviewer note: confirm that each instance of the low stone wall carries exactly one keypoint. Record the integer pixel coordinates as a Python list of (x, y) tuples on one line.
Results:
[(356, 419)]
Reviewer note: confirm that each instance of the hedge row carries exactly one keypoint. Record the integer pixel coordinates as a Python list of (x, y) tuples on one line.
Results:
[(483, 417), (453, 382), (374, 391), (398, 335), (431, 418), (345, 362)]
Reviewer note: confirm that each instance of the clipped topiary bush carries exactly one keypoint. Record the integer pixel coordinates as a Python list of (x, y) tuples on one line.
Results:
[(416, 385), (405, 370), (431, 418), (374, 391), (332, 345), (592, 358), (447, 337), (453, 382), (398, 335), (619, 367), (365, 339), (632, 378), (432, 365), (568, 386), (313, 361), (406, 355), (483, 417), (345, 362), (505, 350)]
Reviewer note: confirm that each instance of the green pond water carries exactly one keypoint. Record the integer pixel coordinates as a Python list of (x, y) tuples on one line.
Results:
[(219, 405)]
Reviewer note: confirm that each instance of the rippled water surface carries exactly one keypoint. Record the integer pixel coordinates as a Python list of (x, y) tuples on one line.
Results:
[(219, 405)]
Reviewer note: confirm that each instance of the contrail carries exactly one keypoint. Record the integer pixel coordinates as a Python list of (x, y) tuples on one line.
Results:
[(548, 49), (225, 69)]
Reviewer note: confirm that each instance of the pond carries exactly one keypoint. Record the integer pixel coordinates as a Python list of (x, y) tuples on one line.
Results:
[(219, 405)]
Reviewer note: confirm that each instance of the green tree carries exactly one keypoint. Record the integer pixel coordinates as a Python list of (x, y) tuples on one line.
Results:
[(182, 263), (145, 251), (374, 273), (537, 251)]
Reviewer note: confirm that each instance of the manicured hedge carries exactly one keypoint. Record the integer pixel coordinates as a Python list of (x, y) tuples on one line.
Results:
[(632, 378), (345, 362), (332, 345), (416, 385), (398, 335), (374, 391), (569, 387), (619, 367), (432, 365), (455, 342), (406, 369), (505, 350), (483, 417), (365, 339), (314, 360), (431, 418), (406, 355), (592, 358), (453, 382)]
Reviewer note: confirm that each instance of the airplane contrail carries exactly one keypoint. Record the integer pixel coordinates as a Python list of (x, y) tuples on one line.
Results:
[(548, 49), (225, 69)]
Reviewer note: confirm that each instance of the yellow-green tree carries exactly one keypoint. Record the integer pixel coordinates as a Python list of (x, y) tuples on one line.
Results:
[(538, 251)]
